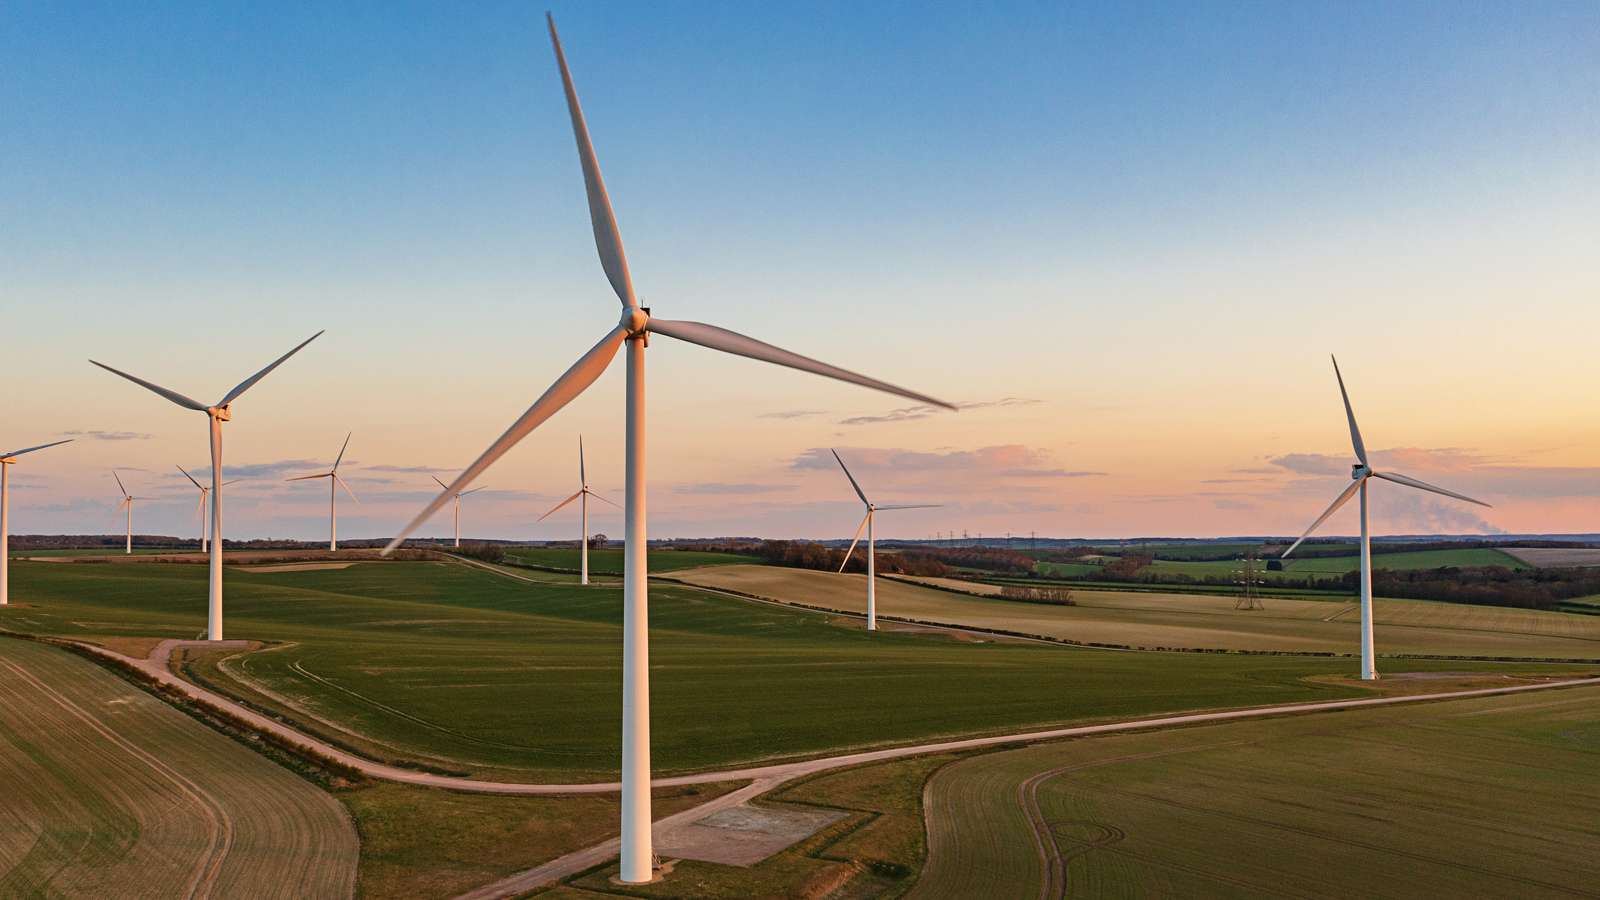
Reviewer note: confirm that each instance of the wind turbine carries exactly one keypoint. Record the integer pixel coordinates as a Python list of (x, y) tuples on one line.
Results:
[(217, 414), (458, 505), (127, 503), (634, 330), (200, 510), (6, 461), (334, 483), (1361, 472), (585, 494), (872, 566)]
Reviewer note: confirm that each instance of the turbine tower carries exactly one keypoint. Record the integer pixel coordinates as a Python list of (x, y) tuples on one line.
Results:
[(127, 503), (217, 414), (634, 329), (872, 559), (7, 460), (200, 510), (334, 483), (458, 506), (1361, 472), (584, 494)]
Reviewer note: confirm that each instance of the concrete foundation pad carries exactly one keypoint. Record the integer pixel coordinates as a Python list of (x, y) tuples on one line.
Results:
[(744, 835)]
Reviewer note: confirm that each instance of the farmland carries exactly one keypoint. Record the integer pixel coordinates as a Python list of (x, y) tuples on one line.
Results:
[(1161, 619), (611, 560), (110, 792), (1447, 799), (467, 671)]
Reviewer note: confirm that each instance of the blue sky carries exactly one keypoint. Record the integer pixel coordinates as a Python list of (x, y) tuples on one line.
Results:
[(1153, 222)]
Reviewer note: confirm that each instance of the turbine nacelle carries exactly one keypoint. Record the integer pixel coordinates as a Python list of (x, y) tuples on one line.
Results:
[(220, 413), (1359, 471), (635, 319)]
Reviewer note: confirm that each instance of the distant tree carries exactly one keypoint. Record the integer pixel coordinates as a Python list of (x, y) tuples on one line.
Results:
[(598, 542)]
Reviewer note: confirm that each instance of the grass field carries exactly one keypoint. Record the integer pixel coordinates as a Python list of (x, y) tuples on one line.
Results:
[(1161, 619), (470, 671), (1426, 559), (611, 560), (48, 554), (106, 791), (1486, 797)]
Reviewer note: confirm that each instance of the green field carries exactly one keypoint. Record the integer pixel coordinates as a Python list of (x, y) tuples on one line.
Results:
[(1162, 618), (104, 551), (1426, 559), (1484, 797), (470, 671), (611, 560), (109, 792)]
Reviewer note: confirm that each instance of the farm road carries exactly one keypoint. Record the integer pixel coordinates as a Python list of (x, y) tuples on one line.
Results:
[(767, 777)]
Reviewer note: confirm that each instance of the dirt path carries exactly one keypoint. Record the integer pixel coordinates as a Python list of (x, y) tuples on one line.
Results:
[(767, 777)]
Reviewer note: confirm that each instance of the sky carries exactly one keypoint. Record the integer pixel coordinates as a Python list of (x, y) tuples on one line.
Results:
[(1124, 238)]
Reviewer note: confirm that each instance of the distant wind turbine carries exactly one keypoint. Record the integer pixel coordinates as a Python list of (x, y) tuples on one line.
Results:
[(872, 565), (1361, 472), (200, 510), (334, 483), (127, 503), (7, 460), (218, 414), (634, 329), (458, 505), (584, 493)]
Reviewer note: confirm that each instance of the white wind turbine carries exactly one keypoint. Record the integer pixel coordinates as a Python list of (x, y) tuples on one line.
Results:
[(217, 414), (334, 483), (457, 497), (584, 493), (127, 503), (200, 510), (1361, 472), (872, 559), (634, 330), (7, 460)]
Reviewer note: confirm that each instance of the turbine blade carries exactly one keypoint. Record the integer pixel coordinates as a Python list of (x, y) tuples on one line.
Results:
[(600, 498), (1355, 433), (1343, 498), (1397, 478), (559, 505), (245, 386), (852, 478), (576, 380), (174, 396), (436, 479), (474, 490), (235, 481), (116, 515), (583, 479), (917, 506), (309, 477), (856, 541), (739, 345), (341, 452), (119, 483), (200, 507), (340, 482), (606, 239), (31, 449), (191, 478)]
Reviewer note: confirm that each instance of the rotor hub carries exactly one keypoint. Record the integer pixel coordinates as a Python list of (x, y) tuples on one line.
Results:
[(634, 319), (1359, 471)]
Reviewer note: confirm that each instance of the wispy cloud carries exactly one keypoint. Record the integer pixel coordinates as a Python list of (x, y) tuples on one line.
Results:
[(911, 413), (1047, 473), (1313, 464), (259, 470), (408, 470), (791, 414), (719, 488), (1224, 503), (110, 435)]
